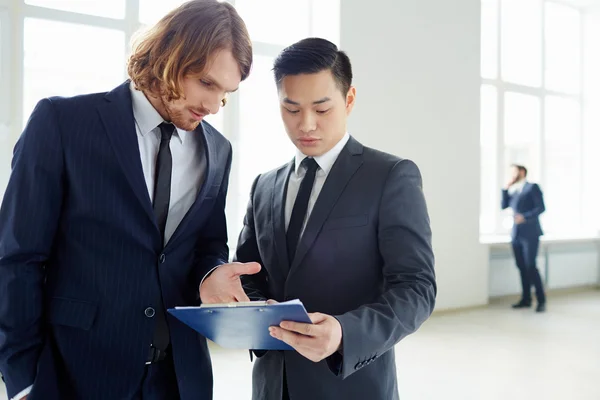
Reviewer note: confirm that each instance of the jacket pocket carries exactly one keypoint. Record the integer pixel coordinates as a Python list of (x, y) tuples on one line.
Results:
[(72, 312), (346, 222)]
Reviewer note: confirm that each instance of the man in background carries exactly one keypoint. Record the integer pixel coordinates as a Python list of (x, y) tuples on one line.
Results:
[(527, 202)]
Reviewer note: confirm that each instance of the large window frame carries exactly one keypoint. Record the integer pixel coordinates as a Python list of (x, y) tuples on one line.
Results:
[(494, 221)]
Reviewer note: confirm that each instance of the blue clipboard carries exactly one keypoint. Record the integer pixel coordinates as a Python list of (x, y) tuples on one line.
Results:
[(242, 325)]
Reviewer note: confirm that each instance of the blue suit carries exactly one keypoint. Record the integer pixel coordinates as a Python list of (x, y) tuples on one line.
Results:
[(529, 202), (81, 255)]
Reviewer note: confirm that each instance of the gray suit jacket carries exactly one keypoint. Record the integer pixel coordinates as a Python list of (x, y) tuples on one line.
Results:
[(365, 257)]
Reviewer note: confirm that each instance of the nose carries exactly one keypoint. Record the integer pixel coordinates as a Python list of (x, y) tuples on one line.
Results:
[(307, 123), (213, 104)]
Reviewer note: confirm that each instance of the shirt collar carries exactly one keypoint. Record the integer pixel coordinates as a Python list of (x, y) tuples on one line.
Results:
[(326, 160), (145, 115)]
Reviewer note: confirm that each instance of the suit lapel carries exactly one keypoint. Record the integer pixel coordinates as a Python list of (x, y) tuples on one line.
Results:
[(278, 214), (210, 152), (117, 116), (346, 165)]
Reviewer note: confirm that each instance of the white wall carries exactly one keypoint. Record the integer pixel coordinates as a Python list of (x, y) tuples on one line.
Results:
[(416, 67), (566, 264)]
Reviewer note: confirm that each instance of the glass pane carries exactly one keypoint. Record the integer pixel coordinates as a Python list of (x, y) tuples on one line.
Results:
[(263, 143), (562, 165), (563, 48), (521, 118), (489, 39), (522, 41), (591, 189), (74, 67), (489, 189), (276, 21), (562, 122), (592, 57), (152, 10), (521, 132), (591, 166), (104, 8)]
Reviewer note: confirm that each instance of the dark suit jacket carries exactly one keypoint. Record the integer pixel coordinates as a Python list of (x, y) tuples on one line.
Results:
[(529, 203), (365, 257), (79, 249)]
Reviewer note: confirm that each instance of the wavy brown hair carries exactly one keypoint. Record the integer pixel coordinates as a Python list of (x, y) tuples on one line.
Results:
[(182, 43)]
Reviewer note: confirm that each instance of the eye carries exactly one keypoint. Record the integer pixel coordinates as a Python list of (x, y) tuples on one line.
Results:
[(323, 111), (206, 83), (291, 111)]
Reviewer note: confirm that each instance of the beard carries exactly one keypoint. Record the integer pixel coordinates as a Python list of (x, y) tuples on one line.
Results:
[(180, 118)]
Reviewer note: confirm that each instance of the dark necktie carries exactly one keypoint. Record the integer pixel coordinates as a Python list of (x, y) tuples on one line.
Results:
[(162, 197), (300, 207), (162, 177)]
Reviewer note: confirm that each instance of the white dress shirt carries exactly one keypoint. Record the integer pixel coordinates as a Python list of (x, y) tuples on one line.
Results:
[(517, 187), (325, 163), (189, 160), (189, 165)]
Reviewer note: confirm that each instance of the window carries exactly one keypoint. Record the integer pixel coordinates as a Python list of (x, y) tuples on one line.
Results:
[(489, 163), (537, 111), (74, 67), (521, 131), (489, 38), (104, 8), (591, 121), (562, 144), (270, 21), (151, 10), (520, 31), (80, 46), (563, 48)]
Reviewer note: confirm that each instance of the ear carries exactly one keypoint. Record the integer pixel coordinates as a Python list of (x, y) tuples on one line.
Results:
[(350, 99)]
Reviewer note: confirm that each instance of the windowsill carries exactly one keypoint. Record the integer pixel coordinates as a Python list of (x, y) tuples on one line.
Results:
[(502, 240)]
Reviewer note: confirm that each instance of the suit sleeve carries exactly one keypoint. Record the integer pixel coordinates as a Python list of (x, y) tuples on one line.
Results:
[(505, 199), (255, 285), (538, 203), (212, 248), (404, 237), (29, 219)]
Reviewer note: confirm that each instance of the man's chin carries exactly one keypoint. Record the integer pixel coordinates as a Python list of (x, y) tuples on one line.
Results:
[(188, 126)]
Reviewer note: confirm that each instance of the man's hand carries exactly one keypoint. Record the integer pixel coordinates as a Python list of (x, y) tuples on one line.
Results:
[(315, 342), (519, 219), (510, 182), (223, 285)]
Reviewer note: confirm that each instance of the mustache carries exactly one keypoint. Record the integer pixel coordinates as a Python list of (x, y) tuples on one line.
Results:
[(202, 111)]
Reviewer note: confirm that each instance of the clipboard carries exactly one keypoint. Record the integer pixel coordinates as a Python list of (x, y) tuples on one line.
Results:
[(243, 325)]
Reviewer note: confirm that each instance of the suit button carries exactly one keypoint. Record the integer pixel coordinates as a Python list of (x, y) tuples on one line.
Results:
[(149, 312), (162, 258)]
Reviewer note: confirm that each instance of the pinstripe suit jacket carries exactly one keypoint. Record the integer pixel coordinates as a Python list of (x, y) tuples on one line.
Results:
[(79, 249)]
